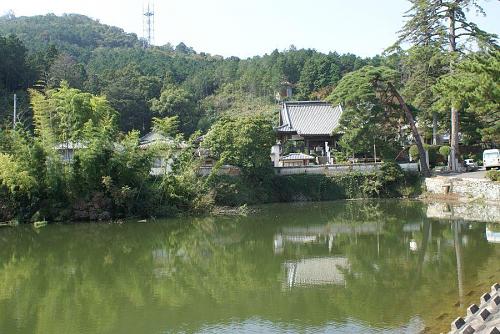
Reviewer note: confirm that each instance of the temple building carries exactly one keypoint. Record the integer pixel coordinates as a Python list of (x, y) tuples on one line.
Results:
[(312, 124)]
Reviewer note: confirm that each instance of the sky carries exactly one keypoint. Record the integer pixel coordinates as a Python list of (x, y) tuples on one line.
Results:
[(255, 27)]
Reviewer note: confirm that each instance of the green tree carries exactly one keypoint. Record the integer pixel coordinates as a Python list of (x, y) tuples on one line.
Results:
[(66, 114), (65, 68), (167, 126), (176, 101), (366, 119), (242, 141), (129, 92), (444, 23), (320, 71), (445, 151), (370, 100), (14, 68), (421, 68), (473, 87)]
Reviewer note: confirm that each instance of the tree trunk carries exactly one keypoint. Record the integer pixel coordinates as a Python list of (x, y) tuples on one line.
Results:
[(452, 38), (454, 134), (434, 129), (414, 130)]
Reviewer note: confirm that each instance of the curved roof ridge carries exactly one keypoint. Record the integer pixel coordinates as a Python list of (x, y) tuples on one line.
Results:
[(306, 102), (309, 117)]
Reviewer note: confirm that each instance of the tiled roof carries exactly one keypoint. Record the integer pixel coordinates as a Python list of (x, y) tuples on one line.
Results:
[(70, 146), (157, 139), (309, 118), (297, 156), (154, 138)]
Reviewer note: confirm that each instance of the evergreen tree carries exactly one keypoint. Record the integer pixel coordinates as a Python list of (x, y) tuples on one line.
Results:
[(372, 109), (444, 22), (474, 87)]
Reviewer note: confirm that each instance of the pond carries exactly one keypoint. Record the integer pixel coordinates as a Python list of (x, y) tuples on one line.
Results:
[(336, 267)]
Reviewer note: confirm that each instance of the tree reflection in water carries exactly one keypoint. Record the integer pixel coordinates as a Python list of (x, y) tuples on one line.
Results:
[(342, 266)]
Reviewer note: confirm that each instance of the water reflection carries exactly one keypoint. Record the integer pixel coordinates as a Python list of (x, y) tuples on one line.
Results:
[(344, 267), (474, 211), (317, 271), (493, 233)]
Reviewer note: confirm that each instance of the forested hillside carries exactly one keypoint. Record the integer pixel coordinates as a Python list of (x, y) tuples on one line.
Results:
[(141, 83), (75, 34)]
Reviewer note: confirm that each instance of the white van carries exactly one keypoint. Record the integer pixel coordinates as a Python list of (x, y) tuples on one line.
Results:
[(491, 158)]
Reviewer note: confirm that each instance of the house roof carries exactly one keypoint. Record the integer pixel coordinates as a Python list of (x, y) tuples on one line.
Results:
[(309, 118), (157, 139), (70, 146), (79, 146), (297, 156), (153, 138)]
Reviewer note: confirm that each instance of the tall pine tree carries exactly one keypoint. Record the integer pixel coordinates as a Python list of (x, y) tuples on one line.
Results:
[(445, 23)]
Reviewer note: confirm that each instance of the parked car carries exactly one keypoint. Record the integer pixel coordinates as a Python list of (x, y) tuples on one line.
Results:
[(491, 158), (470, 164)]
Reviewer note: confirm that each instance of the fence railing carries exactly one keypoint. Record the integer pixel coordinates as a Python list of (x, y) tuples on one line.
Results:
[(223, 170), (340, 168)]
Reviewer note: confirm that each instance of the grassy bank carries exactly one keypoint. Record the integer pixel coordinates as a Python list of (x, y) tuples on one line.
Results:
[(225, 191)]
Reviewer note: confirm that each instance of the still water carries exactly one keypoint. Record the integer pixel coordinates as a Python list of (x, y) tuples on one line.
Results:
[(339, 267)]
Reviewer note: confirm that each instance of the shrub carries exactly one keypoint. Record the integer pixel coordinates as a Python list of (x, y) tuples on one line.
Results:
[(432, 151), (304, 187), (391, 181), (493, 175), (414, 152), (445, 151), (434, 156), (230, 191), (340, 157), (391, 176)]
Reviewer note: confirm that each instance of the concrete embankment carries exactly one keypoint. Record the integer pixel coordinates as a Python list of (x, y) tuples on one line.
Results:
[(483, 318), (463, 189)]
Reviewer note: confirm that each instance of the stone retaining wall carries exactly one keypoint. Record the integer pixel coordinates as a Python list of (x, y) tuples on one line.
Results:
[(464, 187)]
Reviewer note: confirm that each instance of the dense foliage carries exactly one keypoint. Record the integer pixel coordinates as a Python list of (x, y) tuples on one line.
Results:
[(92, 89), (367, 119), (244, 142), (444, 25), (474, 87)]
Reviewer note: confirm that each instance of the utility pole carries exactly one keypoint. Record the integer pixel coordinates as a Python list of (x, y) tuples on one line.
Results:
[(15, 111)]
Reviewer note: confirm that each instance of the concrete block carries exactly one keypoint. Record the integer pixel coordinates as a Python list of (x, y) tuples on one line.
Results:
[(485, 298), (494, 330), (472, 309), (457, 323), (484, 314), (468, 330)]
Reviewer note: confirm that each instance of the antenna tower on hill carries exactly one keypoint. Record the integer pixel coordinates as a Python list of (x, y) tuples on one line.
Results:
[(148, 24)]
